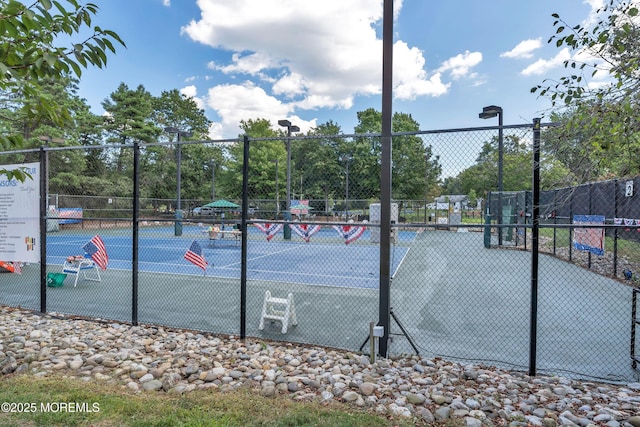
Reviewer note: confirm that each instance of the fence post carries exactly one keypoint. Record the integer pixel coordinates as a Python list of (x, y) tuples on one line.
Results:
[(43, 230), (243, 240), (555, 221), (571, 227), (590, 213), (384, 308), (615, 230), (535, 232), (136, 231), (487, 231)]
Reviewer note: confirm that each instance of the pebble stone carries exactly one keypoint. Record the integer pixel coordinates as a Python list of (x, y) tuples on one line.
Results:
[(147, 359)]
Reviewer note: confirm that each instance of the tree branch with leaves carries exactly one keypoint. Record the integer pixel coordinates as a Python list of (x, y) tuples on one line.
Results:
[(29, 53)]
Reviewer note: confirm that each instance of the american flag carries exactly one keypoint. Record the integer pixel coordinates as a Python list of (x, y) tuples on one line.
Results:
[(96, 249), (194, 255)]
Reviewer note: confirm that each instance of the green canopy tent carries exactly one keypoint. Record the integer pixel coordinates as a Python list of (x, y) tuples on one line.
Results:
[(222, 204)]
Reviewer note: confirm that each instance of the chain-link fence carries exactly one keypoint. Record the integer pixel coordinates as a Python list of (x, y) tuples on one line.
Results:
[(290, 230)]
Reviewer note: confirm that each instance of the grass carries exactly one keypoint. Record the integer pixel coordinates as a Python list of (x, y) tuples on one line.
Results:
[(118, 406)]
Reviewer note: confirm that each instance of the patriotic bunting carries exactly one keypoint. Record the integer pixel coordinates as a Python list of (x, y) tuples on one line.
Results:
[(350, 233), (269, 229), (629, 222), (305, 230)]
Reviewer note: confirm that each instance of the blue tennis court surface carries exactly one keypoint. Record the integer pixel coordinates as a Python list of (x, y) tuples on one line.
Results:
[(326, 260)]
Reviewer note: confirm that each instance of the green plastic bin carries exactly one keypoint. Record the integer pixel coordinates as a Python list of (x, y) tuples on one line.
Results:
[(55, 280)]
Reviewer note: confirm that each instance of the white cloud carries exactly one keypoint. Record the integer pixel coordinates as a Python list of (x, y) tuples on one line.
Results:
[(433, 87), (461, 64), (251, 64), (192, 92), (523, 49), (166, 3), (595, 5), (542, 66), (312, 54), (584, 56), (236, 102), (290, 85), (189, 91)]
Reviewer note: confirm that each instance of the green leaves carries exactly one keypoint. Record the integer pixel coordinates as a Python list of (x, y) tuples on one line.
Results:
[(612, 44), (29, 53)]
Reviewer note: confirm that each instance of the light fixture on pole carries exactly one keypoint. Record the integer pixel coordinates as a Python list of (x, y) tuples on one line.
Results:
[(290, 128), (277, 191), (488, 113), (346, 159), (180, 133)]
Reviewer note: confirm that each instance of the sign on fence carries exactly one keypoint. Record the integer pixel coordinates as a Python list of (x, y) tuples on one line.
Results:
[(69, 215), (589, 239), (20, 216)]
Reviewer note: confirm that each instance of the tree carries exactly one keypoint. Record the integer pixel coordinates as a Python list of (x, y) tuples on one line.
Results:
[(319, 164), (483, 176), (172, 109), (129, 118), (262, 154), (611, 47), (408, 159), (31, 50), (606, 116), (65, 168), (414, 167)]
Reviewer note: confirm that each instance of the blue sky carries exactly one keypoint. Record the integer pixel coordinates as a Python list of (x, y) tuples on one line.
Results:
[(311, 61)]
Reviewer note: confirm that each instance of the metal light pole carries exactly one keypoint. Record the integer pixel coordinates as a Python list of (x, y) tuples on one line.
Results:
[(180, 133), (277, 191), (427, 156), (290, 128), (346, 159), (47, 141), (213, 180), (488, 113)]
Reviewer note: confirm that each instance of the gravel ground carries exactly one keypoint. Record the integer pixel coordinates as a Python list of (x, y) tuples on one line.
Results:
[(149, 359)]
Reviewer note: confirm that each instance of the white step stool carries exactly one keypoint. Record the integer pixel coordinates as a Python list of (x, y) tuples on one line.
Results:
[(281, 309)]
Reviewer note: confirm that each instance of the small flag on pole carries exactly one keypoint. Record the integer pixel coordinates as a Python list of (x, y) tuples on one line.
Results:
[(96, 249), (194, 256)]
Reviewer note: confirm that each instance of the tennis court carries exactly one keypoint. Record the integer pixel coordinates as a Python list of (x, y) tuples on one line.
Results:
[(294, 261), (455, 298)]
